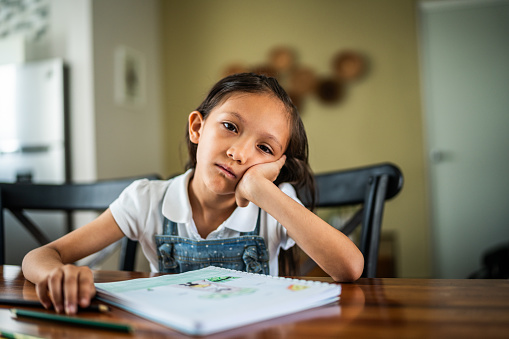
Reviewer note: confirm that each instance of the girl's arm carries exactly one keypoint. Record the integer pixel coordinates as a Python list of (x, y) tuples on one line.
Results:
[(333, 251), (50, 268)]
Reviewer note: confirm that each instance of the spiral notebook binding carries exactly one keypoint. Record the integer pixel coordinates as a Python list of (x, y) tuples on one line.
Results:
[(300, 281)]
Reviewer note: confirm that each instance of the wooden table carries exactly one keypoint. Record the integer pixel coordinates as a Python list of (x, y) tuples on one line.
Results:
[(371, 308)]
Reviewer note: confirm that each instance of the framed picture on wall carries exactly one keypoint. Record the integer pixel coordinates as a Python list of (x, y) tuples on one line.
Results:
[(130, 83)]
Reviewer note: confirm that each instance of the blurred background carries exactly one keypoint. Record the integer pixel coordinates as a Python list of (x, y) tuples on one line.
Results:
[(136, 69)]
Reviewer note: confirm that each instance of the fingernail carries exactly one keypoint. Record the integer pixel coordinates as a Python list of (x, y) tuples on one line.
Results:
[(70, 309)]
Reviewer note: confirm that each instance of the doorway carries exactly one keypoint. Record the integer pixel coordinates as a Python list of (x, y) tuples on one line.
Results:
[(464, 47)]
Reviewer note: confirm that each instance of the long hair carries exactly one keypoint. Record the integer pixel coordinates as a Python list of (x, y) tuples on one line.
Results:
[(296, 169)]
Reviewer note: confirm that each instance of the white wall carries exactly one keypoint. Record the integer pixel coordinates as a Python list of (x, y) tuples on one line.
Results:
[(108, 140), (128, 139), (70, 38)]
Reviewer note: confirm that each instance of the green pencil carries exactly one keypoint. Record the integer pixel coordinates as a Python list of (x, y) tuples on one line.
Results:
[(12, 335), (36, 303), (71, 320)]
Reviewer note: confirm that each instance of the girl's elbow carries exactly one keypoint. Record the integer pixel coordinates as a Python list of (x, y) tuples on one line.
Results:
[(357, 268), (28, 258), (351, 270)]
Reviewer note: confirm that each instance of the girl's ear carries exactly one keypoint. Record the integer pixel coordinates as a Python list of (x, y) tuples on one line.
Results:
[(195, 126)]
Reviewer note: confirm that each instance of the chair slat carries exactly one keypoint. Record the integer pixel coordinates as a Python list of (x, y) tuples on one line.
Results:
[(368, 186), (96, 196)]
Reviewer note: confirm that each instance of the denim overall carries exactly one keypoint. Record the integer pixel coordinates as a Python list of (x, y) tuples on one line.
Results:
[(247, 252)]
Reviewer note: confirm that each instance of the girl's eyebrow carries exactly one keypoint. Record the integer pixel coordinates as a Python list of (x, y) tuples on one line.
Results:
[(265, 135), (238, 116)]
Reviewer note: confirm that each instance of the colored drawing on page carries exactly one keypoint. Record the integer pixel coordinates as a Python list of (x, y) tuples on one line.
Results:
[(215, 290), (222, 279), (296, 287)]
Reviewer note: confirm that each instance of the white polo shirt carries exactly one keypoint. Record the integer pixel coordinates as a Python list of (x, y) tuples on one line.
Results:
[(140, 210)]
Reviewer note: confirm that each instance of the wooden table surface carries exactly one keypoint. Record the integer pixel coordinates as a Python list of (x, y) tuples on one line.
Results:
[(371, 308)]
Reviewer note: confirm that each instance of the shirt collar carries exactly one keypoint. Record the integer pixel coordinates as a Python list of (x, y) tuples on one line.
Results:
[(243, 219), (177, 208), (176, 205)]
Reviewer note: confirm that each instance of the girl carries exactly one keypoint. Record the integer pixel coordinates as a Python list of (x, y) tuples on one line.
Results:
[(234, 207)]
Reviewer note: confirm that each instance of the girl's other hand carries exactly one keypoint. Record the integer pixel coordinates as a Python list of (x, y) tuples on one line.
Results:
[(67, 288), (265, 171)]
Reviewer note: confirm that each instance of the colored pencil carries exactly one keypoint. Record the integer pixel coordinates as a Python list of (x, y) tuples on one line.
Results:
[(12, 335), (36, 303), (16, 313)]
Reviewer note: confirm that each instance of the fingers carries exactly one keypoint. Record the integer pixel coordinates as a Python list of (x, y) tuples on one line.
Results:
[(86, 288), (272, 169), (42, 293), (55, 289), (251, 178), (67, 287), (78, 290), (70, 291), (241, 202), (281, 161), (269, 170)]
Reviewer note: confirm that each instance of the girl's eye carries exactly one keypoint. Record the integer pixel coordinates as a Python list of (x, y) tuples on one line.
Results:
[(265, 149), (230, 126)]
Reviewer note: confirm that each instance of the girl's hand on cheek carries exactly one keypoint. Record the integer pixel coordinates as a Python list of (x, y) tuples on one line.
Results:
[(250, 179)]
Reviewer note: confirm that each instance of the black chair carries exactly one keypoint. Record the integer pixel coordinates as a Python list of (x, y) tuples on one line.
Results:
[(21, 197), (369, 187)]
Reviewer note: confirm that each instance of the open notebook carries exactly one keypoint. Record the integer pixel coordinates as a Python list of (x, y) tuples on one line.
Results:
[(215, 299)]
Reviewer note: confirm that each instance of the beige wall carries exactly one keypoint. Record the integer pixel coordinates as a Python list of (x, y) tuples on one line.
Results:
[(379, 121)]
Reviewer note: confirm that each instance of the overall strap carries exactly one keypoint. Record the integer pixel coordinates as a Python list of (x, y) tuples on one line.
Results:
[(169, 227), (257, 228)]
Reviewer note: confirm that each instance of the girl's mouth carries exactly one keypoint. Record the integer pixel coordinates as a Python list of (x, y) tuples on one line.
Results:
[(227, 171)]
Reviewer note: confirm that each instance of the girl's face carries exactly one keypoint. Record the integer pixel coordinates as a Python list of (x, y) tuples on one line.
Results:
[(245, 130)]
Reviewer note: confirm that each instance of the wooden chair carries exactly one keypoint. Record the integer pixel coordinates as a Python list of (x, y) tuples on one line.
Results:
[(369, 187), (21, 197)]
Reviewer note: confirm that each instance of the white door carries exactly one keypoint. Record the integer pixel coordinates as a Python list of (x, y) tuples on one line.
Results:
[(465, 69)]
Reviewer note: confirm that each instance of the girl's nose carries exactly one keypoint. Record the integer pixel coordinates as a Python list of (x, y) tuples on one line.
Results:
[(238, 153)]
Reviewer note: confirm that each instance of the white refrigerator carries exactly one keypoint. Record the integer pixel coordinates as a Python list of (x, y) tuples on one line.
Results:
[(33, 141)]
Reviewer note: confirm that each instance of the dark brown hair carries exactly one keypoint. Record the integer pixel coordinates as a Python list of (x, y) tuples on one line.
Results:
[(296, 170)]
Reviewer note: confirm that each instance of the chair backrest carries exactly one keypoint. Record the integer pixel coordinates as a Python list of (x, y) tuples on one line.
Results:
[(368, 186), (96, 196)]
